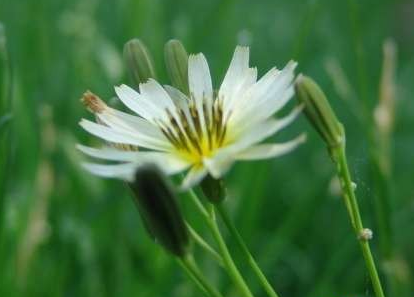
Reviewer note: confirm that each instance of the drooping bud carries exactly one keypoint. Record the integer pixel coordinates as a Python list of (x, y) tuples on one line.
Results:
[(318, 111), (176, 61), (138, 61), (156, 202), (213, 189)]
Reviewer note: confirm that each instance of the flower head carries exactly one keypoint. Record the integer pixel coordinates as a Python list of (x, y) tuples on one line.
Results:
[(203, 132)]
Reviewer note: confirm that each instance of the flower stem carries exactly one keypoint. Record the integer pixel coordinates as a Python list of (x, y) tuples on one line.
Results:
[(228, 262), (197, 276), (203, 244), (339, 157), (246, 253)]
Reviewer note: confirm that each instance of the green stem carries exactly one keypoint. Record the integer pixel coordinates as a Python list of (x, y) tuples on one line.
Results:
[(225, 254), (228, 261), (353, 210), (199, 205), (190, 266), (203, 244), (246, 253)]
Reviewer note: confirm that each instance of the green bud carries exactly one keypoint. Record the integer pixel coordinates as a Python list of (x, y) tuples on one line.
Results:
[(157, 205), (176, 60), (213, 189), (318, 111), (138, 61)]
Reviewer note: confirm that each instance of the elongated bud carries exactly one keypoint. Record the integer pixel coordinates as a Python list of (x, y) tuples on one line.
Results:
[(156, 202), (176, 61), (318, 111), (213, 189), (138, 61)]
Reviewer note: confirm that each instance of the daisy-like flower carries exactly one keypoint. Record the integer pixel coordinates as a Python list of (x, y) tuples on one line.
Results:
[(202, 133)]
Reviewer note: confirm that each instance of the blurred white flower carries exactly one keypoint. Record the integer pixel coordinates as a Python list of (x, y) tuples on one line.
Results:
[(203, 133)]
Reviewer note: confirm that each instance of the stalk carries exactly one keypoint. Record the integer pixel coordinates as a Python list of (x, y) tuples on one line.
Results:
[(204, 245), (228, 262), (339, 157), (190, 266), (246, 253)]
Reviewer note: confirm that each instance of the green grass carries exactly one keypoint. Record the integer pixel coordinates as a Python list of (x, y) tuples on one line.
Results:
[(65, 233)]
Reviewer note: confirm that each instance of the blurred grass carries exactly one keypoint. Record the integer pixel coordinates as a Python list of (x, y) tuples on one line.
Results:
[(65, 233)]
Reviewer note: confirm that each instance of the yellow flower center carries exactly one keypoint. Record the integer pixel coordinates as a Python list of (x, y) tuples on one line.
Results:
[(197, 136)]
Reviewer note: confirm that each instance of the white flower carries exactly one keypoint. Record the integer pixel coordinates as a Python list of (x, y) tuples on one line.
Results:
[(204, 133)]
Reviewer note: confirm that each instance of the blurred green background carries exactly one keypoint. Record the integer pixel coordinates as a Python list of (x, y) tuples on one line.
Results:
[(66, 233)]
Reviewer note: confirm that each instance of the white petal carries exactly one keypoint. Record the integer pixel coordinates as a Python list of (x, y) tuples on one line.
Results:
[(131, 98), (273, 103), (167, 162), (265, 151), (178, 97), (274, 83), (238, 65), (122, 171), (243, 128), (141, 105), (201, 88), (143, 129), (266, 97), (240, 93), (155, 93), (261, 131), (199, 77), (108, 153), (182, 102), (107, 133), (160, 100), (218, 165), (239, 77), (193, 177), (118, 136)]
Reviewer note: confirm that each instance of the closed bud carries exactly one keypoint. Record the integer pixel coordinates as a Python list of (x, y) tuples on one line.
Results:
[(157, 204), (176, 61), (213, 189), (318, 111), (138, 61)]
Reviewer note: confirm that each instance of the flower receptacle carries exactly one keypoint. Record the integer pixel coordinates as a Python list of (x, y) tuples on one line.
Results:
[(213, 189)]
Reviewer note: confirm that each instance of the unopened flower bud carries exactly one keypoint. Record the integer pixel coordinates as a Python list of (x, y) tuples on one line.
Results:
[(176, 61), (138, 61), (157, 204), (213, 189), (318, 111)]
